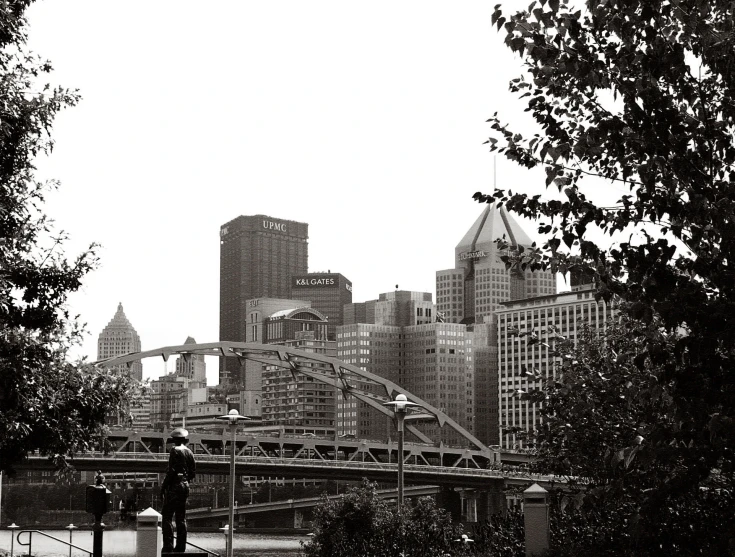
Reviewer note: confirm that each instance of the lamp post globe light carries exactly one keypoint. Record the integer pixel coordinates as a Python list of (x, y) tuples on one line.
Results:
[(400, 407), (232, 417)]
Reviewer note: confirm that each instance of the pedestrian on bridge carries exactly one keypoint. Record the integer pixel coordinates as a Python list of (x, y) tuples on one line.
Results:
[(175, 491)]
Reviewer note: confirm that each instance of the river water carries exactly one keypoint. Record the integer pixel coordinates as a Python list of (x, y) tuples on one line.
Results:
[(121, 543)]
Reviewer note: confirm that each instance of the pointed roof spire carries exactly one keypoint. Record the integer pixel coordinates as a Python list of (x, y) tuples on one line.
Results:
[(120, 320), (492, 224)]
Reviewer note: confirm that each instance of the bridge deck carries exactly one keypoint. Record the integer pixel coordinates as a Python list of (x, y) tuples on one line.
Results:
[(488, 478)]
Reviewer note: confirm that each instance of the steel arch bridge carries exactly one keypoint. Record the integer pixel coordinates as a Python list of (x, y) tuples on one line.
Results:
[(351, 380)]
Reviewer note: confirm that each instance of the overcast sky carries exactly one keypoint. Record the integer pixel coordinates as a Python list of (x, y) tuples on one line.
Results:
[(365, 120)]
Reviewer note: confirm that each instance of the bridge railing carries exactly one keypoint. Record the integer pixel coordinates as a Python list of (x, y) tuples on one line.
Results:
[(491, 473)]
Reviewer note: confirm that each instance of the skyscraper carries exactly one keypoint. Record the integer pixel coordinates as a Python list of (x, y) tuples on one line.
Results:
[(566, 314), (117, 338), (397, 337), (259, 255), (474, 290), (480, 281), (291, 399)]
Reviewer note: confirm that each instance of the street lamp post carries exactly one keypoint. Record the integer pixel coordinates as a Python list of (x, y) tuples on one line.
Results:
[(71, 528), (13, 527), (233, 417), (400, 407)]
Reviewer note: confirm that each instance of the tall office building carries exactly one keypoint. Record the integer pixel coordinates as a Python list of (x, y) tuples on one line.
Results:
[(259, 255), (251, 372), (472, 292), (298, 401), (568, 312), (117, 338), (397, 338), (169, 394), (479, 280), (328, 293)]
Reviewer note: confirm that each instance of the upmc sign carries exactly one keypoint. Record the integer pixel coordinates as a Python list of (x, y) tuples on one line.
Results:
[(271, 225)]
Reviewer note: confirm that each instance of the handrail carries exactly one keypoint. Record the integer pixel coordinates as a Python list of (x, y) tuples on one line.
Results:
[(30, 540), (31, 532), (201, 548)]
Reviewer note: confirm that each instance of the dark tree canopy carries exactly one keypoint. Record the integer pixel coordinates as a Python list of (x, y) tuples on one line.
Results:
[(48, 404), (610, 425), (639, 93)]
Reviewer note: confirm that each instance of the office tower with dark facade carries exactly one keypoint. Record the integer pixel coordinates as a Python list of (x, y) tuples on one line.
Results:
[(327, 292), (259, 255), (472, 292)]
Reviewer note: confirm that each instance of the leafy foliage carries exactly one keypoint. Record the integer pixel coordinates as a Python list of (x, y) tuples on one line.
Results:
[(49, 405), (500, 536), (639, 94), (609, 424), (359, 523)]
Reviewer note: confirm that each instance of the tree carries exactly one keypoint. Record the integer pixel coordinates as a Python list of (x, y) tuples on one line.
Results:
[(600, 398), (639, 93), (360, 523), (48, 404)]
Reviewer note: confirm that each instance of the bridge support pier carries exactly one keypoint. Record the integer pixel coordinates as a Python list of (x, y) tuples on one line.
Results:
[(495, 503), (298, 518), (469, 505)]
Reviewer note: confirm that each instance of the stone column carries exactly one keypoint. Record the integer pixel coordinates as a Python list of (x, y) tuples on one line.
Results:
[(149, 539), (536, 520)]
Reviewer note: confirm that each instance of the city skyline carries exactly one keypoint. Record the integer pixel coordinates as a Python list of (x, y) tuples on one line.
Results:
[(366, 123)]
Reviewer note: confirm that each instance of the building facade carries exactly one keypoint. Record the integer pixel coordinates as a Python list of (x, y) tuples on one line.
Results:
[(473, 291), (117, 338), (259, 255), (251, 372), (298, 401), (479, 281), (169, 395), (293, 399), (398, 338), (192, 366), (328, 293), (565, 314)]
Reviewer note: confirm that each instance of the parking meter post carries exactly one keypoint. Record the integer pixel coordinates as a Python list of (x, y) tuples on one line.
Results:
[(97, 504)]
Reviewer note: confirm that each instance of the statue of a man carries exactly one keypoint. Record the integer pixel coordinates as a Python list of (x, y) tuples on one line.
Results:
[(175, 491)]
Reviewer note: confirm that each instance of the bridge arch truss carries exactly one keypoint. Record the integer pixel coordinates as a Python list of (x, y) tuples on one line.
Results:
[(351, 380)]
